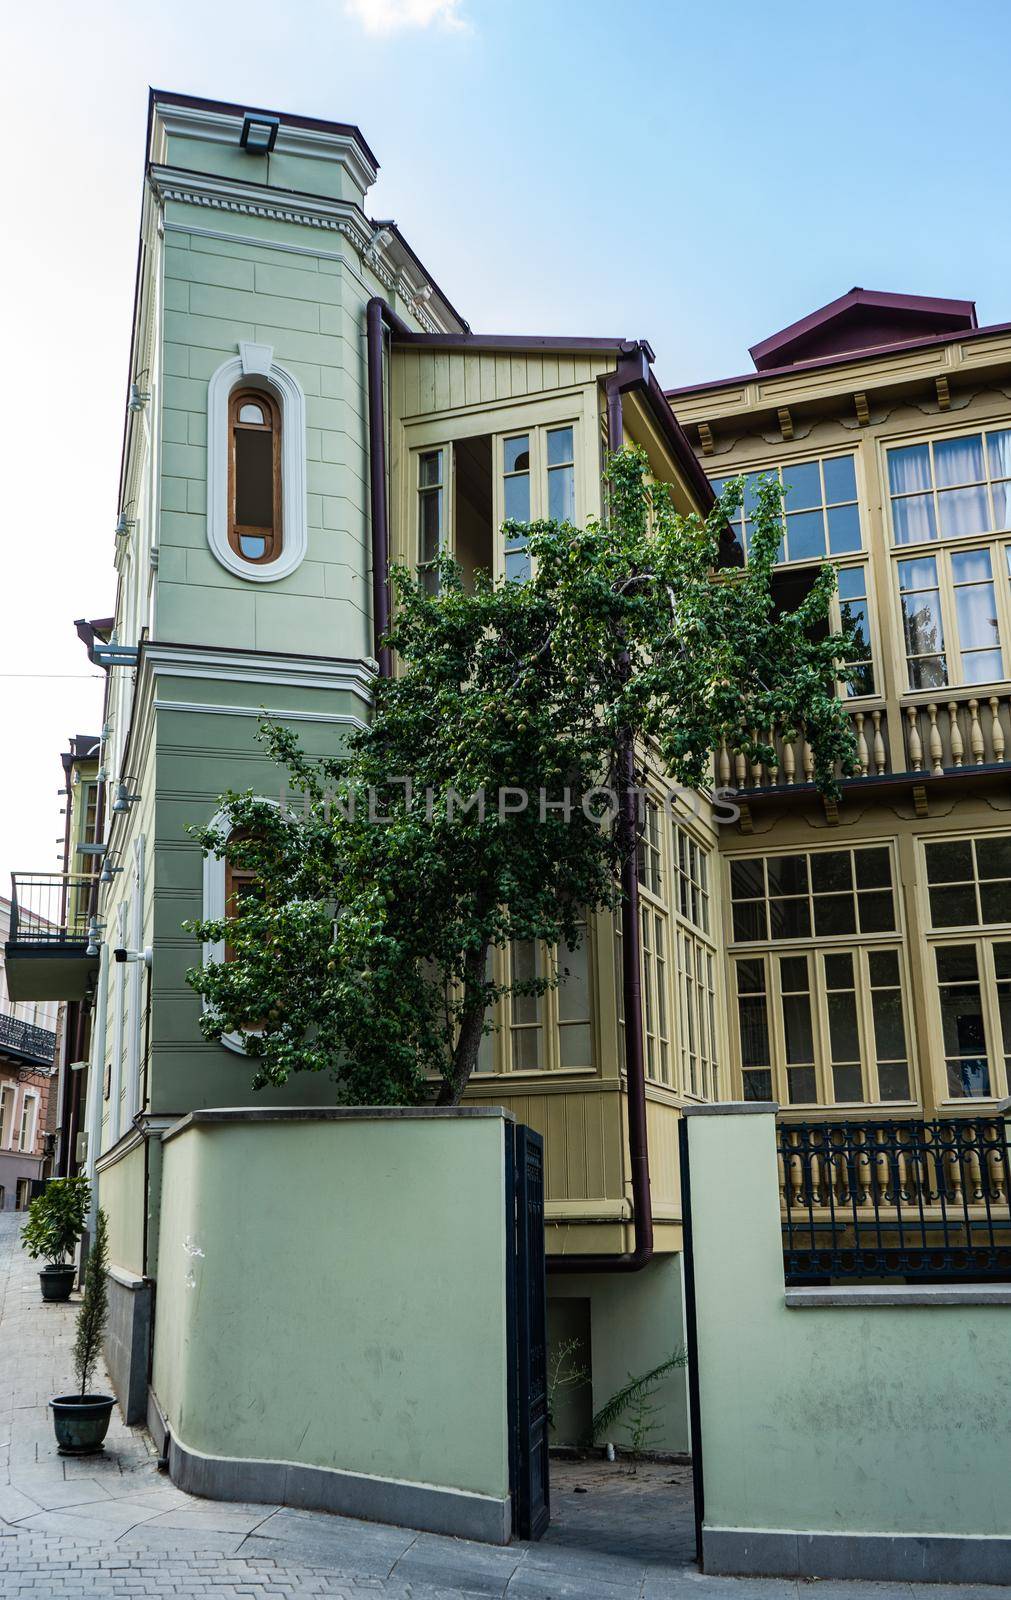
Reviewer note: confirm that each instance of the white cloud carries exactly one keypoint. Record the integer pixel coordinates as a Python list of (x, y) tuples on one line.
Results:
[(386, 17)]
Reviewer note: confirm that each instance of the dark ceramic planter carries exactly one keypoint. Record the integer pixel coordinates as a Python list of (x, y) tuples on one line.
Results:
[(81, 1422), (57, 1282)]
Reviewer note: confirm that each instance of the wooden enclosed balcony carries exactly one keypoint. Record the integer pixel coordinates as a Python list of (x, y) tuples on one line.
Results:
[(51, 953), (954, 734)]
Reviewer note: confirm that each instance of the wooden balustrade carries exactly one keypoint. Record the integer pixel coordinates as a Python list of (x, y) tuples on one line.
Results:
[(942, 735), (795, 758), (946, 734)]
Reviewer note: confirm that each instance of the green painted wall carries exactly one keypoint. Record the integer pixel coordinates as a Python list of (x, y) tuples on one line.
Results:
[(333, 1293), (201, 755), (636, 1322), (121, 1196), (882, 1420), (310, 309)]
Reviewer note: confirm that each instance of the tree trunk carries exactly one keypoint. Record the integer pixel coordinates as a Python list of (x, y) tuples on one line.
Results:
[(471, 1031)]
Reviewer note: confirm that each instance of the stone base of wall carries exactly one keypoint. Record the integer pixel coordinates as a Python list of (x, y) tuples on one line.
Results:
[(127, 1344), (348, 1494), (895, 1557)]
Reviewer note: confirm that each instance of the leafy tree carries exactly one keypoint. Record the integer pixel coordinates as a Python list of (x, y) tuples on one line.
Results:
[(361, 947), (91, 1318), (56, 1220)]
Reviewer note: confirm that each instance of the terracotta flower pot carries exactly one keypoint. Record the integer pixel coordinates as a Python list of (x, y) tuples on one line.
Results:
[(81, 1422)]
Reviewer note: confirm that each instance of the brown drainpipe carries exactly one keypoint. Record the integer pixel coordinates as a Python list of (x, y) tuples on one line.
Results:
[(632, 372)]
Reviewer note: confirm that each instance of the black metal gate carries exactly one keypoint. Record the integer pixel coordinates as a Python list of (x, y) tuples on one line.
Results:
[(528, 1335)]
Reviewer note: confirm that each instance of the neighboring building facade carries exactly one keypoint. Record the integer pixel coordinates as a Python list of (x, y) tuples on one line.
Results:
[(869, 941), (28, 1046)]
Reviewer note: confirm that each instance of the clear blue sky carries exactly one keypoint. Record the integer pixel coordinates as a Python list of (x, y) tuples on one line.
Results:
[(699, 175)]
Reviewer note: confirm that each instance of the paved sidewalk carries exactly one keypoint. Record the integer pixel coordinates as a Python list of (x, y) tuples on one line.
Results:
[(113, 1525)]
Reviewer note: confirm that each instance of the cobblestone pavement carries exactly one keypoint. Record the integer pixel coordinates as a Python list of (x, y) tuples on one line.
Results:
[(113, 1525)]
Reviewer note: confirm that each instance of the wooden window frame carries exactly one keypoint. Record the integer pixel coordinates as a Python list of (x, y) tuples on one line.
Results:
[(274, 537), (777, 469), (814, 953)]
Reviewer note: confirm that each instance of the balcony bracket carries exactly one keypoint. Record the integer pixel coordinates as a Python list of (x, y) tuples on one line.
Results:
[(745, 821), (920, 805), (831, 811)]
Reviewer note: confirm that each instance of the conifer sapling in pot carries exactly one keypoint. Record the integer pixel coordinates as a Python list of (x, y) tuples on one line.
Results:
[(82, 1419)]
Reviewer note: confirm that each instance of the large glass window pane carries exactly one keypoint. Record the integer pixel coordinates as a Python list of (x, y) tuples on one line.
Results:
[(998, 445), (995, 902), (787, 874), (954, 906), (754, 1022), (561, 475), (789, 919), (913, 519), (874, 868), (750, 921), (909, 469), (889, 1028), (834, 914), (517, 498), (1002, 970), (831, 869), (993, 857), (958, 461), (805, 536), (844, 1032), (747, 879), (963, 511), (801, 1086), (962, 1022), (516, 455), (840, 479), (877, 911), (843, 529), (949, 861), (802, 485)]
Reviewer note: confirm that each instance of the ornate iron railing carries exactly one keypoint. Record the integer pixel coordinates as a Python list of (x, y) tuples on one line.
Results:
[(26, 1039), (52, 907), (891, 1199)]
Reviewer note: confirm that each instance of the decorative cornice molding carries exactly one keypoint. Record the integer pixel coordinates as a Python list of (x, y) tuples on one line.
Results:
[(215, 193), (261, 668)]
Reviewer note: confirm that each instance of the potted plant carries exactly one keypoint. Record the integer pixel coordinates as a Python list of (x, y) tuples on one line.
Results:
[(55, 1223), (81, 1420)]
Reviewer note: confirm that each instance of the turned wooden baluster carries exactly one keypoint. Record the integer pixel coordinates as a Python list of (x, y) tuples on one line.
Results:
[(863, 754), (773, 766), (741, 769), (996, 1158), (913, 742), (934, 745), (880, 755), (724, 765), (996, 730), (756, 765), (789, 761), (808, 759), (976, 744), (955, 735)]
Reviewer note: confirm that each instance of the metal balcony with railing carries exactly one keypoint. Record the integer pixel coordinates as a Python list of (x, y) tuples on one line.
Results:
[(26, 1041), (907, 1200), (50, 953)]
